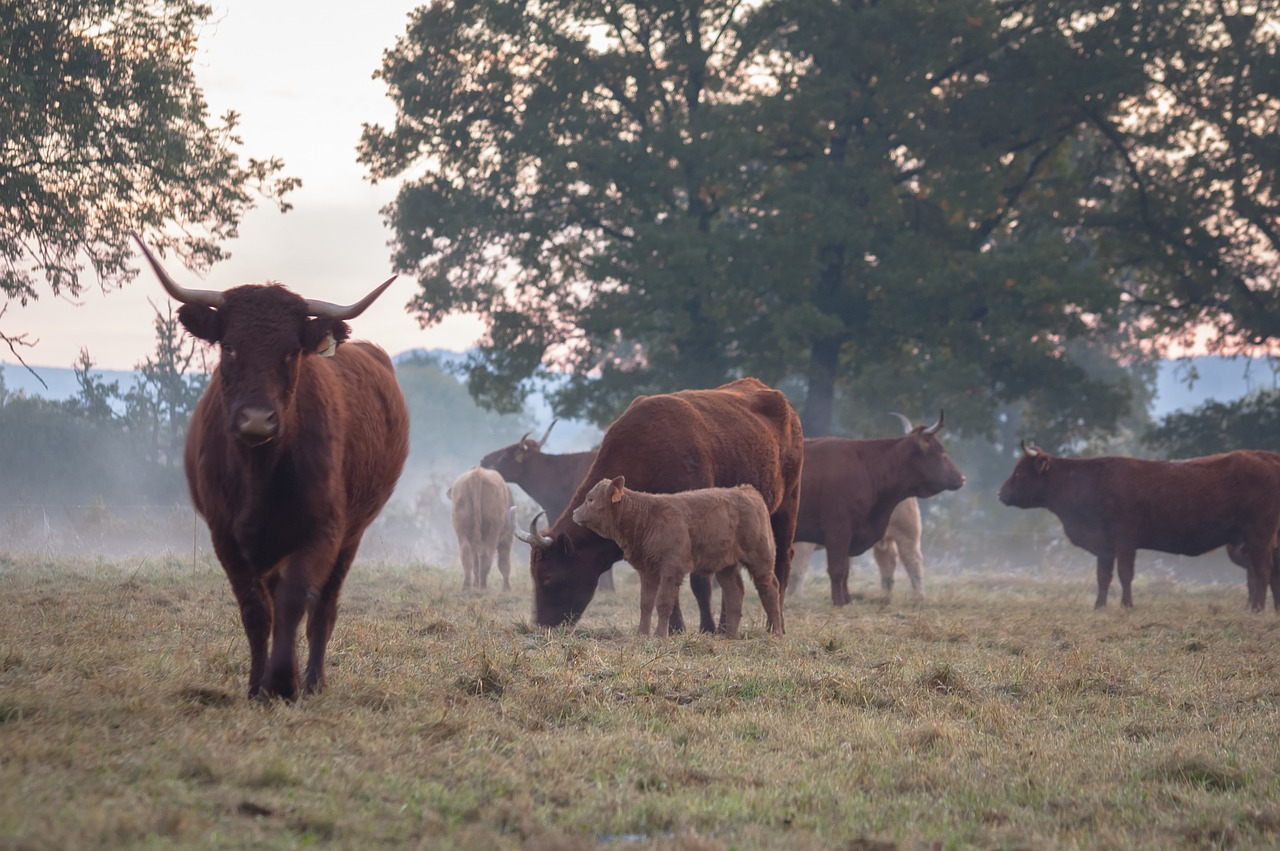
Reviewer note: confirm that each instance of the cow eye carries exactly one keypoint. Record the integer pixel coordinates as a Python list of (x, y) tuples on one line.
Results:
[(228, 352)]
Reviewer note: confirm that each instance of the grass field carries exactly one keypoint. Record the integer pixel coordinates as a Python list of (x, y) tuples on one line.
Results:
[(1001, 712)]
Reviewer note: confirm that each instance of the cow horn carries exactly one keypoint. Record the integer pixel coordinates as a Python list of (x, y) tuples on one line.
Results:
[(933, 429), (1031, 449), (543, 442), (906, 423), (212, 298), (522, 439), (350, 311), (532, 538)]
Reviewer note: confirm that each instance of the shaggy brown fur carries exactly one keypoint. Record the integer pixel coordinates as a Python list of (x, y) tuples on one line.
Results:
[(743, 432), (668, 536)]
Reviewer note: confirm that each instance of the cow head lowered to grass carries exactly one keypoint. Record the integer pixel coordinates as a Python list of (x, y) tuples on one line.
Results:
[(292, 451), (744, 432)]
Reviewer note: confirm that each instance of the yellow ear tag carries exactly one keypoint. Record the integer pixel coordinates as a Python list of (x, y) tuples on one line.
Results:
[(329, 346)]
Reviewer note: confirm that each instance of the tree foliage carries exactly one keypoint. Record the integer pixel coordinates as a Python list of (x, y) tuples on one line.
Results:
[(665, 195), (103, 130), (1252, 422)]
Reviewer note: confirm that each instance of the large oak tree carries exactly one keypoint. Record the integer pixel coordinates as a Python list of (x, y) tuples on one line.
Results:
[(103, 131), (666, 195)]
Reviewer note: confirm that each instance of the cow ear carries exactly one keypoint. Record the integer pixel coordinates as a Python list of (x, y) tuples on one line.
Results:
[(322, 333), (1042, 464), (615, 489), (201, 321)]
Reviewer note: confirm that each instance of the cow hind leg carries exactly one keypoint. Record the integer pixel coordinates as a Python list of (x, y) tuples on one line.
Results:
[(838, 572), (1124, 571), (468, 554), (504, 563), (484, 563), (1106, 564), (770, 597)]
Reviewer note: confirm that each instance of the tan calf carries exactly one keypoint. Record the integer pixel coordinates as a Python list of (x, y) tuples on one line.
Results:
[(668, 536), (480, 501)]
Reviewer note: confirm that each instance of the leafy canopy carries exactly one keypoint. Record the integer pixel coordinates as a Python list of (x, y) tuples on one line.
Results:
[(103, 130), (664, 195)]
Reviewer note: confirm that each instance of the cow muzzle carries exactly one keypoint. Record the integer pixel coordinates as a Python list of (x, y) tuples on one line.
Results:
[(256, 426)]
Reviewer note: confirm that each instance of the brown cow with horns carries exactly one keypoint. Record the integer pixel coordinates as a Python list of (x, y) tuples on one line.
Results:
[(292, 451)]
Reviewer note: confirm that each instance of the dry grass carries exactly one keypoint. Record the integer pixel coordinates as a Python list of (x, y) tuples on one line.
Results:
[(1001, 712)]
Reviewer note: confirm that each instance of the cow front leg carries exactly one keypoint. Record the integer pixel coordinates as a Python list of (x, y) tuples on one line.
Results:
[(321, 620), (670, 577), (1275, 579), (732, 593), (1124, 571), (700, 584), (838, 572), (1106, 564), (292, 599), (648, 594), (256, 610), (1261, 562)]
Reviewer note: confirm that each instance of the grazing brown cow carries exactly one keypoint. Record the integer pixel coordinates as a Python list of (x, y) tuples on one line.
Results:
[(1113, 506), (851, 488), (668, 536), (901, 541), (292, 451), (550, 479), (480, 499), (743, 432)]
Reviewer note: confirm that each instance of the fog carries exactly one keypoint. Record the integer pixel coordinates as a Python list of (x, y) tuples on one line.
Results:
[(76, 491)]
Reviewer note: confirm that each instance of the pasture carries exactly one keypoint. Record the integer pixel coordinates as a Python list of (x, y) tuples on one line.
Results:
[(1003, 712)]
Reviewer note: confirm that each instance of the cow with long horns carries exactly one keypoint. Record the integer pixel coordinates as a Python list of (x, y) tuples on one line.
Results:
[(744, 432), (1113, 506), (851, 487), (292, 451)]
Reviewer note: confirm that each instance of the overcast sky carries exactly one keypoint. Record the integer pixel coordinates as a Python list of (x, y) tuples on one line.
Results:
[(300, 75)]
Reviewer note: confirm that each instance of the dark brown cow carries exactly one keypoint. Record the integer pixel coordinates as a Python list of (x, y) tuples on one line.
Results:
[(550, 479), (851, 487), (740, 433), (479, 502), (668, 536), (1113, 506), (901, 541), (292, 451)]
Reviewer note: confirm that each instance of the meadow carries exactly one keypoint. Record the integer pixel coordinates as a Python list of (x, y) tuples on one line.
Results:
[(1000, 712)]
